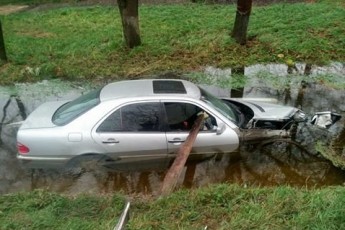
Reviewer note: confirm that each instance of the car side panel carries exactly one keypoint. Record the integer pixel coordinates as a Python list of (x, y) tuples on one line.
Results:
[(206, 142), (122, 137), (134, 149)]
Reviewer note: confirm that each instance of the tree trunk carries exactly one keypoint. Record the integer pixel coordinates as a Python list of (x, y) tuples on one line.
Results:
[(175, 170), (130, 22), (239, 31), (2, 46)]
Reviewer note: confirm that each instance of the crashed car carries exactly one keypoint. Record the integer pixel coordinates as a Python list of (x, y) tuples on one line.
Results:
[(144, 122)]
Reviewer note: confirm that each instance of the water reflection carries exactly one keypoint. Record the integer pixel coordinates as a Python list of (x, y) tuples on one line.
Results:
[(266, 164)]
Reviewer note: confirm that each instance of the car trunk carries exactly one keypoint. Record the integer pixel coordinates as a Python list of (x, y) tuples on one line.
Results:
[(42, 116)]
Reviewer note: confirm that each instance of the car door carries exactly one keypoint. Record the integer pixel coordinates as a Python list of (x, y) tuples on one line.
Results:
[(214, 137), (132, 135)]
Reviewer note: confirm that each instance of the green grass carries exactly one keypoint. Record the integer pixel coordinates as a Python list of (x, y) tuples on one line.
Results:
[(87, 43), (233, 207), (44, 210), (217, 207)]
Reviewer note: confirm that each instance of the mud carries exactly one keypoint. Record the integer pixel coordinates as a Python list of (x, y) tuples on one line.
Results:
[(9, 9), (268, 164)]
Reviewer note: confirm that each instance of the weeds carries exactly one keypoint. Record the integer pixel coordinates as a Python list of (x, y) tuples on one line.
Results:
[(43, 210), (216, 207), (235, 207)]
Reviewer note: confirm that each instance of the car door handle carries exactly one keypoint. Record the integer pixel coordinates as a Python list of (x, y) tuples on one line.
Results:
[(111, 141), (176, 140)]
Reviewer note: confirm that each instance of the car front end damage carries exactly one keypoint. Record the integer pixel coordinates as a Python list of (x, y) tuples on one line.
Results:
[(277, 123), (257, 135), (267, 128), (260, 130)]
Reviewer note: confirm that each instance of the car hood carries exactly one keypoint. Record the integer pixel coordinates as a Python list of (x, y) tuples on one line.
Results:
[(271, 111), (267, 111), (42, 116)]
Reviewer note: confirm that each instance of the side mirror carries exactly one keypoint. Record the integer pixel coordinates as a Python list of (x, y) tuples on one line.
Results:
[(219, 129)]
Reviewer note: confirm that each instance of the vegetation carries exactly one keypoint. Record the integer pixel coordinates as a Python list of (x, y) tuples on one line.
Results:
[(87, 43), (43, 210), (217, 207)]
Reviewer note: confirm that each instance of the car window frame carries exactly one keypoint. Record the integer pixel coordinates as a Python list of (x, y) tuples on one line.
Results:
[(119, 107), (217, 104), (166, 127)]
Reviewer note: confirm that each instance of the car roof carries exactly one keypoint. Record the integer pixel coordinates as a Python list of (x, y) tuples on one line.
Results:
[(150, 88)]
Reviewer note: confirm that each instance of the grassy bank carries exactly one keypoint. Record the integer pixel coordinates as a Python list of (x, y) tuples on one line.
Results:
[(218, 207), (85, 43), (42, 210)]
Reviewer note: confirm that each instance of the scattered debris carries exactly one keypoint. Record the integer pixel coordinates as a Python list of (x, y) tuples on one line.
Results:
[(325, 119), (124, 218)]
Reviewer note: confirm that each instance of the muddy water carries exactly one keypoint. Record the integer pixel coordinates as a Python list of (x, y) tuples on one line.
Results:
[(266, 165)]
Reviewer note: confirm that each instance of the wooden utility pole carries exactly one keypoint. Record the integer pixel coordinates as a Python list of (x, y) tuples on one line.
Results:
[(2, 45), (130, 22), (176, 168)]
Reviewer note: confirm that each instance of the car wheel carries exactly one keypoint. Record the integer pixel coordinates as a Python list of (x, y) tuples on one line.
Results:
[(87, 163)]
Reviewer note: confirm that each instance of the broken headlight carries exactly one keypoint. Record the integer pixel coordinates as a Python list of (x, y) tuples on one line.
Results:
[(299, 116)]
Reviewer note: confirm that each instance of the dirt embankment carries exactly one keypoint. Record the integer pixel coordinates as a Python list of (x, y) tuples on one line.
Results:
[(8, 9)]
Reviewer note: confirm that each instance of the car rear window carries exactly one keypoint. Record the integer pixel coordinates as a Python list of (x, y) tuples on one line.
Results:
[(73, 109)]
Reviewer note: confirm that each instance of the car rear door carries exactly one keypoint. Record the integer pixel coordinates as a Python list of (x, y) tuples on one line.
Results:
[(133, 136), (215, 136)]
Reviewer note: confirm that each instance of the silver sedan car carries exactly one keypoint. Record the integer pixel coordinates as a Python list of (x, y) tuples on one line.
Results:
[(143, 122)]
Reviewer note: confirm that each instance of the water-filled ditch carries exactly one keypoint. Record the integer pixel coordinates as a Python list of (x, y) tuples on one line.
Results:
[(310, 88)]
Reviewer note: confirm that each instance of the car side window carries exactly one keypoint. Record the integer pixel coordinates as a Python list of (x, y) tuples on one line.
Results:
[(143, 117), (181, 116)]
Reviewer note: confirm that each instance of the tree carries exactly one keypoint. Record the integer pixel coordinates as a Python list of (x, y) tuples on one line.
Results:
[(2, 45), (130, 22), (239, 31)]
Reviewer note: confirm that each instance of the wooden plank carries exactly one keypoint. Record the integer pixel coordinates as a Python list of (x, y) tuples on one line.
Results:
[(170, 180)]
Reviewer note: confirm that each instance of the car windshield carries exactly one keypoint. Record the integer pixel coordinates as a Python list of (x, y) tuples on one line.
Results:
[(219, 105), (71, 110)]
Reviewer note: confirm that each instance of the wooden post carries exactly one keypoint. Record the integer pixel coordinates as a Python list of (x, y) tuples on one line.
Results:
[(176, 168)]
